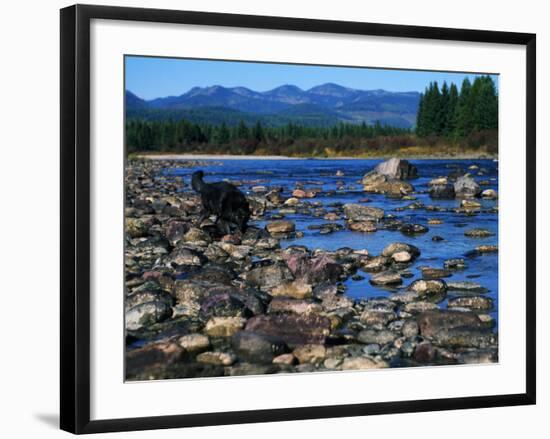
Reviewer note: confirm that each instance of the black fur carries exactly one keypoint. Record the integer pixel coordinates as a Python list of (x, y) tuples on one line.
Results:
[(223, 200)]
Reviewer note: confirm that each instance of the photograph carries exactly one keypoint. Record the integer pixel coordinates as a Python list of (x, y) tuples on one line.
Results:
[(296, 218)]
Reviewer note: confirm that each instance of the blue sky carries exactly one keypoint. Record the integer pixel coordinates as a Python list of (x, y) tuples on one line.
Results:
[(150, 77)]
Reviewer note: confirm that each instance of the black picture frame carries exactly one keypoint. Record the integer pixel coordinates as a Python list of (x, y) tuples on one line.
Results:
[(75, 217)]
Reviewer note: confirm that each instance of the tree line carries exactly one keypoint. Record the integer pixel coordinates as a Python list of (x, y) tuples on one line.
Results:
[(454, 114), (185, 136)]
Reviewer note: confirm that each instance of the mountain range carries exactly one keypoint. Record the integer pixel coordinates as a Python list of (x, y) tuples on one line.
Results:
[(322, 105)]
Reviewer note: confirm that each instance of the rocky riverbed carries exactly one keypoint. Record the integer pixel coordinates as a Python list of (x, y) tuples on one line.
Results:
[(199, 303)]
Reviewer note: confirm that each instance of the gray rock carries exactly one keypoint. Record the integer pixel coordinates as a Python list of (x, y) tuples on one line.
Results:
[(359, 213), (257, 348), (466, 186), (147, 314), (370, 336), (399, 169)]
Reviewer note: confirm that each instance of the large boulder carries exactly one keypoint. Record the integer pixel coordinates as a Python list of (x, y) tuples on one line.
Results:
[(398, 169), (467, 187)]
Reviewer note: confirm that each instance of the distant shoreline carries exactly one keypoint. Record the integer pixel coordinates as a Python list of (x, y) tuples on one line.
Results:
[(174, 156)]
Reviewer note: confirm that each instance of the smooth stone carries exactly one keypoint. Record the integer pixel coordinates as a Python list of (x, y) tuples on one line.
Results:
[(363, 226), (466, 186), (285, 359), (257, 348), (362, 363), (358, 212), (221, 358), (276, 227), (377, 317), (268, 277), (472, 287), (194, 343), (296, 290), (473, 302), (489, 194), (432, 289), (146, 314), (399, 169), (369, 336), (413, 229), (435, 273), (297, 306), (310, 353), (398, 247), (402, 257), (224, 326), (410, 329), (294, 329), (454, 264), (433, 321), (478, 233), (386, 278)]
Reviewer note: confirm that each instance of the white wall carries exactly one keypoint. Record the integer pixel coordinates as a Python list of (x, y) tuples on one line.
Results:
[(30, 205)]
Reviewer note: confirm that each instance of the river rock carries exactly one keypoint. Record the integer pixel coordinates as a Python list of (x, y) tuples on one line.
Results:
[(419, 307), (381, 337), (296, 306), (223, 305), (296, 289), (473, 302), (435, 273), (377, 317), (409, 329), (489, 194), (413, 229), (478, 233), (280, 227), (137, 227), (314, 271), (466, 186), (434, 290), (396, 247), (396, 168), (375, 264), (268, 277), (432, 322), (454, 264), (442, 191), (221, 358), (359, 213), (257, 348), (151, 357), (186, 256), (362, 226), (194, 343), (487, 248), (425, 352), (224, 326), (478, 356), (402, 257), (468, 286), (294, 329), (363, 363), (470, 204), (310, 353), (464, 337), (147, 314), (285, 359), (386, 278)]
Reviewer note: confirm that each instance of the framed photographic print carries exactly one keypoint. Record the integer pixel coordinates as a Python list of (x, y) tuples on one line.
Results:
[(272, 218)]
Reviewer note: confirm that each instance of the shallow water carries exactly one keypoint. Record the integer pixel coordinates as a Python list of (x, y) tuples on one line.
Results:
[(321, 174)]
